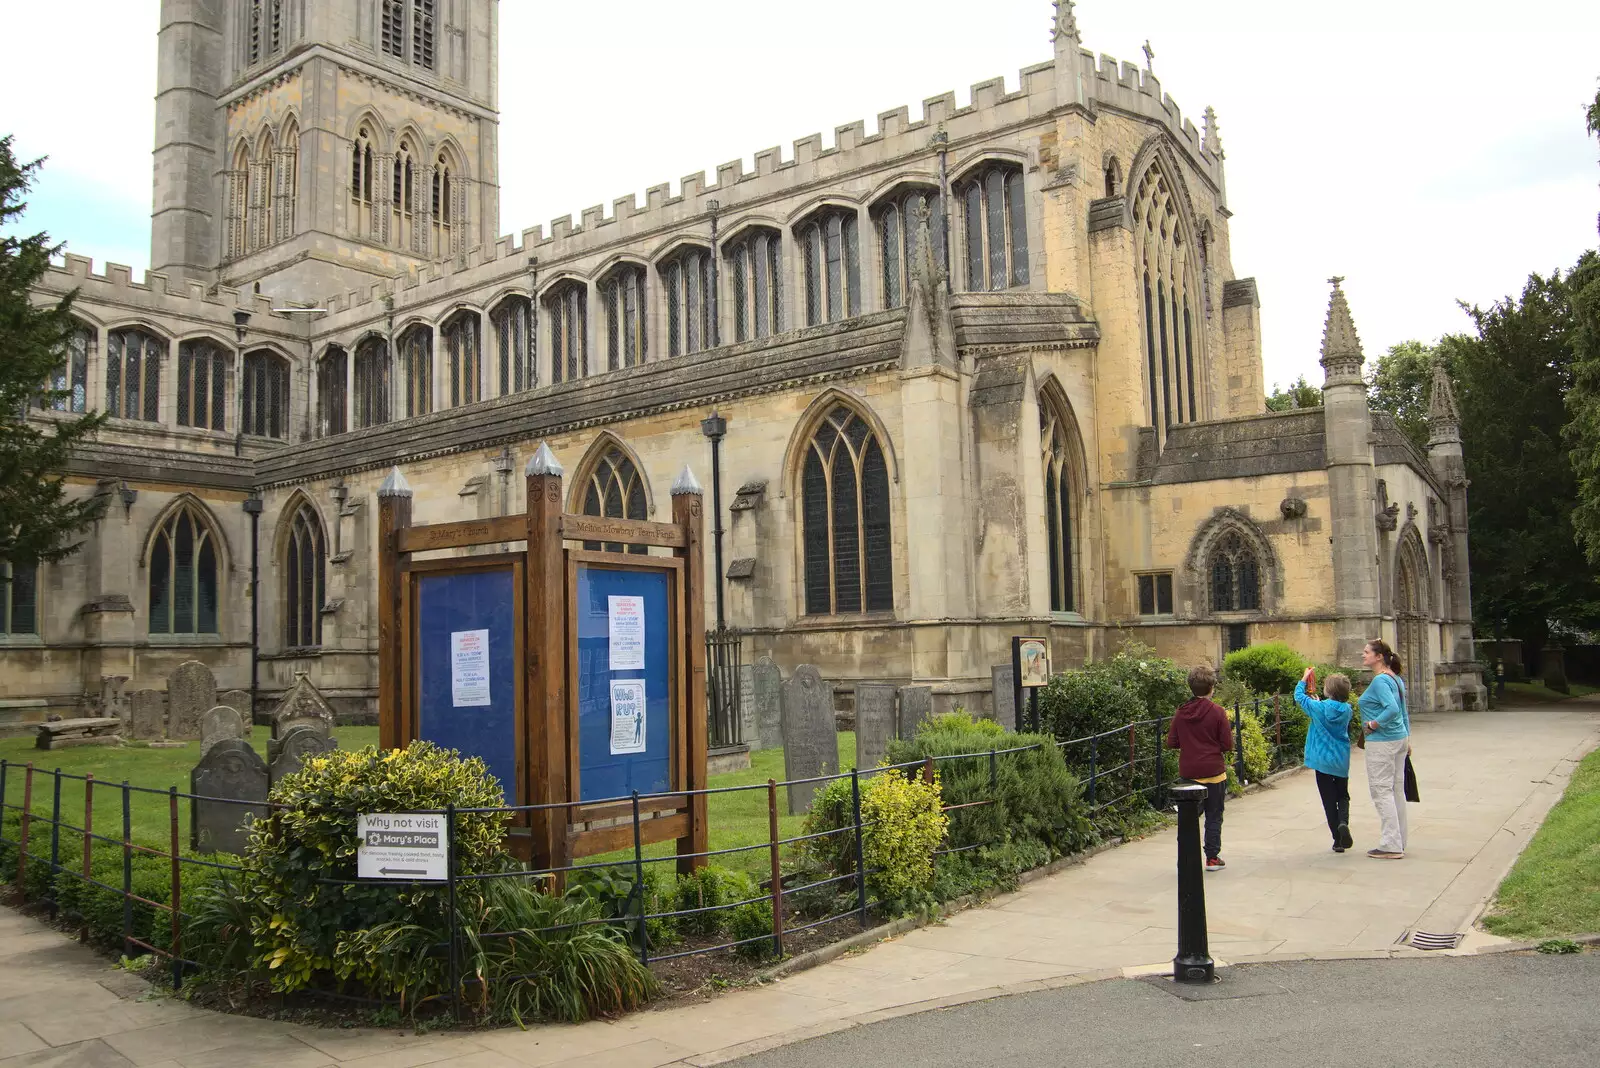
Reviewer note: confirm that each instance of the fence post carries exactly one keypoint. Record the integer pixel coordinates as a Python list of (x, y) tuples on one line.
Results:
[(177, 891), (5, 798), (1094, 774), (777, 867), (127, 868), (88, 841), (450, 894), (927, 769), (861, 866), (638, 884), (27, 821), (55, 840), (1277, 725), (1238, 745)]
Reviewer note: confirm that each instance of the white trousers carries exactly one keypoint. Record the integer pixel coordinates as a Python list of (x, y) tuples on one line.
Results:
[(1386, 778)]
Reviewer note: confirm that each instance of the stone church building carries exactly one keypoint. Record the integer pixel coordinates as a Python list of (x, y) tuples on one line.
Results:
[(987, 370)]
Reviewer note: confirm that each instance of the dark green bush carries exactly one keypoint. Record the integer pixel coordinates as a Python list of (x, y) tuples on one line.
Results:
[(611, 890), (751, 921), (710, 887), (1267, 668)]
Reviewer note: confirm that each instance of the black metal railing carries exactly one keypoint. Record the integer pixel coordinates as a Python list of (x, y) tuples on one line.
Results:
[(724, 712)]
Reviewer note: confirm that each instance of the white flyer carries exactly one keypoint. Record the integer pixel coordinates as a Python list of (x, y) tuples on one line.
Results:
[(627, 716), (627, 632), (469, 668)]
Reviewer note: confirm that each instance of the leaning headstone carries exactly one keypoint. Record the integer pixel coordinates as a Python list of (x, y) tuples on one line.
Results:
[(302, 706), (810, 742), (290, 753), (1005, 696), (191, 692), (239, 701), (747, 707), (219, 724), (766, 683), (230, 772), (875, 722), (916, 708), (147, 715)]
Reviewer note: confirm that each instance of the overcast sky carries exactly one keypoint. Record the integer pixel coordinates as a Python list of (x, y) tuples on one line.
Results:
[(1428, 150)]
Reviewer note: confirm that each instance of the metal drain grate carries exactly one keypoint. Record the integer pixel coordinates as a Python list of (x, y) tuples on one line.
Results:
[(1424, 940)]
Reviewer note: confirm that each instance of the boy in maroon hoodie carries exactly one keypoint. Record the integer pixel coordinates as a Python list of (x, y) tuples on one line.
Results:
[(1202, 735)]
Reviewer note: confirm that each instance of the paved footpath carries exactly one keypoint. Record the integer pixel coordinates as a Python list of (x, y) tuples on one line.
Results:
[(1487, 780)]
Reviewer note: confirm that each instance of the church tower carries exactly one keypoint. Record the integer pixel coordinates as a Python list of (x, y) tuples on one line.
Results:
[(315, 147)]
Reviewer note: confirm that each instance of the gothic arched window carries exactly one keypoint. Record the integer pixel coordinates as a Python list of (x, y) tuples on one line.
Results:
[(691, 302), (615, 489), (333, 379), (898, 227), (202, 384), (416, 363), (1235, 575), (266, 395), (1059, 449), (363, 221), (513, 330), (568, 308), (755, 268), (994, 205), (626, 335), (844, 488), (305, 568), (832, 244), (183, 575), (285, 182), (133, 375), (19, 599), (1169, 278), (372, 382), (71, 378), (403, 231), (463, 344), (449, 207), (392, 34)]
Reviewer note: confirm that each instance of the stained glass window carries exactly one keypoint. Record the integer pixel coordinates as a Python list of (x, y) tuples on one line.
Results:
[(183, 575), (845, 518)]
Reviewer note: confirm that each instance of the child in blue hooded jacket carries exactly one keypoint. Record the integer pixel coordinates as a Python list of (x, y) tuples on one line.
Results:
[(1328, 749)]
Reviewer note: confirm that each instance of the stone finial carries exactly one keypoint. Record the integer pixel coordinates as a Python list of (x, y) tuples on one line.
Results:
[(544, 462), (1444, 418), (1211, 134), (395, 485), (1341, 348), (686, 484), (1066, 24)]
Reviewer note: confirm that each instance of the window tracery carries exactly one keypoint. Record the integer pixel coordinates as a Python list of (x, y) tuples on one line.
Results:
[(845, 524)]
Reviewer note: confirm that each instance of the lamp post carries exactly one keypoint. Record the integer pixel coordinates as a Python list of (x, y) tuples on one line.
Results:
[(715, 427)]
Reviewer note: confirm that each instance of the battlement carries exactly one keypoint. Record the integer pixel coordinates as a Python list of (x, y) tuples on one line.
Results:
[(1127, 87), (157, 294)]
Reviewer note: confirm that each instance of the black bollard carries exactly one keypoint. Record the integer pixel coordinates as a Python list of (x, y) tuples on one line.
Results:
[(1193, 964)]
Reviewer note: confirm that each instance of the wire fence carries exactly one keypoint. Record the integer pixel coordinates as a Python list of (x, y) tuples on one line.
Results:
[(1116, 767)]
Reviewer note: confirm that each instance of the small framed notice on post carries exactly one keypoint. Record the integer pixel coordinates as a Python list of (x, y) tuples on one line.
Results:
[(1030, 667), (627, 716)]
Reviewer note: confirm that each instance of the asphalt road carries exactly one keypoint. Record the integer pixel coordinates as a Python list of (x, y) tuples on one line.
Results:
[(1453, 1012)]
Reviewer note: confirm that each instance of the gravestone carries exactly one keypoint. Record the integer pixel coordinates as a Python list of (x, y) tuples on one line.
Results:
[(239, 701), (290, 753), (302, 706), (219, 724), (747, 707), (766, 683), (916, 708), (191, 692), (231, 771), (1005, 696), (113, 698), (147, 715), (810, 741), (875, 722)]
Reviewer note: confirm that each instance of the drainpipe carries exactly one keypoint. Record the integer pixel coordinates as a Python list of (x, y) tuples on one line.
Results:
[(252, 508)]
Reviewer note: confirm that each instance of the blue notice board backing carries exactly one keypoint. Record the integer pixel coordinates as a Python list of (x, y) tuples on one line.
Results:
[(601, 773), (466, 631)]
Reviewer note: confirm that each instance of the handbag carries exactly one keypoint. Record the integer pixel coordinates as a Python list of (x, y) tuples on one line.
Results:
[(1411, 782)]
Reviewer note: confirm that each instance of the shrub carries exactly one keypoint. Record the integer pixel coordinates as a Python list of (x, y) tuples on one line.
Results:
[(902, 826), (1076, 704), (710, 887), (611, 890), (752, 921), (1257, 751), (301, 867), (1267, 668)]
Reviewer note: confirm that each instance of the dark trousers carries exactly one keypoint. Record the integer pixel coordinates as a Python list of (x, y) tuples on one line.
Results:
[(1335, 793), (1216, 794)]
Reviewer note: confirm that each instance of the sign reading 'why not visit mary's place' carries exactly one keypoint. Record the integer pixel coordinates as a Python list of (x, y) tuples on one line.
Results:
[(404, 845)]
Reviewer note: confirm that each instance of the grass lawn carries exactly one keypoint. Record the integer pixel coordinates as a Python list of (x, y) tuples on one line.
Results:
[(737, 819), (1537, 691), (1554, 890)]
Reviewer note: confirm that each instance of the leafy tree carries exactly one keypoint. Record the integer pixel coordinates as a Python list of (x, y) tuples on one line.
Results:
[(1583, 433), (37, 521), (1298, 394), (1399, 383)]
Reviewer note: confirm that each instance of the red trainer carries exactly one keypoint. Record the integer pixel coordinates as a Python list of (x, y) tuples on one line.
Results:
[(1215, 864)]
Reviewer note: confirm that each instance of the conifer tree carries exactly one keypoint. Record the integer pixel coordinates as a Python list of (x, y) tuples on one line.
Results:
[(37, 520)]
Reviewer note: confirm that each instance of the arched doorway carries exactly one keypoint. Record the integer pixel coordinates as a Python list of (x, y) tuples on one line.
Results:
[(1411, 626)]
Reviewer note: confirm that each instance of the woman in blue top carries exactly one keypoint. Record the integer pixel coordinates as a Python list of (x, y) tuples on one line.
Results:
[(1328, 749), (1388, 731)]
